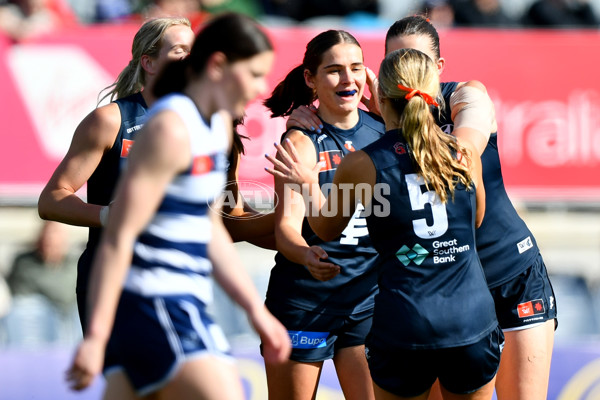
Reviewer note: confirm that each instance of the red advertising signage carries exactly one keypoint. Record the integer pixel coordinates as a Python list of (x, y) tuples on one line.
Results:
[(544, 85)]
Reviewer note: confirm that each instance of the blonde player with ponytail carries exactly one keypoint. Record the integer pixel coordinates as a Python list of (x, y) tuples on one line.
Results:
[(423, 194)]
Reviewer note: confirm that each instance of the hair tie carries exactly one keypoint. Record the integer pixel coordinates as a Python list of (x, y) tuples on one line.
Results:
[(412, 92)]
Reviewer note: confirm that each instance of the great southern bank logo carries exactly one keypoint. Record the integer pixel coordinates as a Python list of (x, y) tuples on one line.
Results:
[(308, 340), (417, 254)]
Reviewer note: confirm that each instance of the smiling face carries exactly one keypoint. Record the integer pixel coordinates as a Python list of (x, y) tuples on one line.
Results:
[(339, 81)]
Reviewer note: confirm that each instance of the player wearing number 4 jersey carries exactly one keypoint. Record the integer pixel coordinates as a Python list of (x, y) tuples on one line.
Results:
[(352, 251), (323, 291)]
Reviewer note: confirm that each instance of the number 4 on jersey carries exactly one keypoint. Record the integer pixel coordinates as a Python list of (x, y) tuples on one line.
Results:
[(356, 228)]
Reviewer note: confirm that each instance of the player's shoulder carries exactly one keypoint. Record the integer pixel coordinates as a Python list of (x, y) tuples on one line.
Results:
[(303, 144), (101, 125), (371, 119), (357, 167), (297, 136), (106, 111), (472, 83), (357, 159)]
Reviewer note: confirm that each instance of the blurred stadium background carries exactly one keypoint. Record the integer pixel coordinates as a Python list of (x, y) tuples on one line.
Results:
[(544, 85)]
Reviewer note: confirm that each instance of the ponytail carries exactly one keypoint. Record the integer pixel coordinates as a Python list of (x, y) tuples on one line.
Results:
[(128, 82), (434, 152), (290, 94), (293, 92), (409, 80), (147, 41)]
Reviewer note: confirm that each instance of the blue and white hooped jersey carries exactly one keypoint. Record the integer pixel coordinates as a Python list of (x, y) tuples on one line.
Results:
[(170, 255)]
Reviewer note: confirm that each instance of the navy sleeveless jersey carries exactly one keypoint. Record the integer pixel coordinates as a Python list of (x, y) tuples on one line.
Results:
[(102, 183), (353, 290), (506, 246), (432, 289)]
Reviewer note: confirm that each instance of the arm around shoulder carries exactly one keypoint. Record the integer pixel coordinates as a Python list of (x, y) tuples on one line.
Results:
[(473, 114)]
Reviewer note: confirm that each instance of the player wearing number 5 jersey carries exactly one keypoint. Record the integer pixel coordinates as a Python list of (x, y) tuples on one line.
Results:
[(511, 259), (434, 315), (323, 291)]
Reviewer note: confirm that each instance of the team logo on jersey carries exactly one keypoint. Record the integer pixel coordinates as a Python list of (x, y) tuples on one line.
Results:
[(126, 147), (308, 340), (330, 159), (348, 145), (202, 164), (417, 254), (531, 308), (447, 128), (400, 148), (525, 244), (321, 138)]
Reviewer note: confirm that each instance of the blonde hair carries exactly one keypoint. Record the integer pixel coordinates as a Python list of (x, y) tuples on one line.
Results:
[(434, 153), (147, 41)]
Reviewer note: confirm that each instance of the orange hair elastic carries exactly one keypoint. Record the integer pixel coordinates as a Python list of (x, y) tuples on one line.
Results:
[(411, 92)]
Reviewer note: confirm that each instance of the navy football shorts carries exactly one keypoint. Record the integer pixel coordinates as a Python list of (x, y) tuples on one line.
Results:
[(153, 336), (527, 300), (461, 370), (317, 337)]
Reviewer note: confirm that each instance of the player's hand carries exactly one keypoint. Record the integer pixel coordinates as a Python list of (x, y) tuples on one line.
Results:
[(86, 364), (289, 169), (304, 117), (318, 268), (273, 335), (372, 103)]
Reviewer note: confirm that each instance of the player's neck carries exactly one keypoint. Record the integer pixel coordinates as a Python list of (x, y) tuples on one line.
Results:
[(149, 98)]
